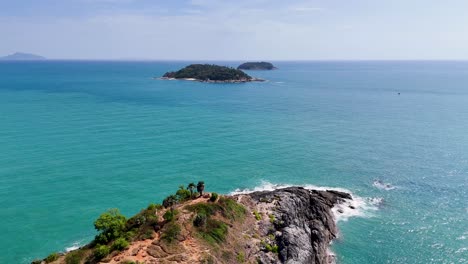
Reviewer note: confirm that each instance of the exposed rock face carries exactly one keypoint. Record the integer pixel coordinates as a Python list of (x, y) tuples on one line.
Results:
[(304, 223)]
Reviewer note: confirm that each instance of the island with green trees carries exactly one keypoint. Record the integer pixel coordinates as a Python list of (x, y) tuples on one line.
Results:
[(262, 65), (289, 225), (209, 73)]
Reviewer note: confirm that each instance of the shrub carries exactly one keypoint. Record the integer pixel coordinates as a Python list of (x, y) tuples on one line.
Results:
[(130, 235), (148, 235), (169, 215), (183, 194), (120, 244), (270, 248), (272, 218), (214, 197), (171, 232), (74, 257), (200, 220), (257, 215), (153, 206), (240, 257), (52, 257), (138, 220), (111, 224), (101, 251)]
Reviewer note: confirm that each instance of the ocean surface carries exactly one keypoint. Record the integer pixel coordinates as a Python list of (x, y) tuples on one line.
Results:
[(78, 137)]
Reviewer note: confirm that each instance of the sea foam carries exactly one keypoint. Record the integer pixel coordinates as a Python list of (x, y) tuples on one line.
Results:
[(76, 245), (357, 207)]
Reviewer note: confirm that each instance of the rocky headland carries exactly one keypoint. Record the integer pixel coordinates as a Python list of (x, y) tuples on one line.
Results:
[(289, 225)]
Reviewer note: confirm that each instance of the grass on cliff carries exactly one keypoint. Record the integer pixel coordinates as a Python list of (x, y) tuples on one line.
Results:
[(227, 207), (214, 231)]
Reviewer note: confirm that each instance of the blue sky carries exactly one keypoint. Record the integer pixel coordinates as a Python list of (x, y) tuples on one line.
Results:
[(236, 30)]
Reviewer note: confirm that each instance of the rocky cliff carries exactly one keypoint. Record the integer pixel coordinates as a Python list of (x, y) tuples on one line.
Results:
[(289, 225)]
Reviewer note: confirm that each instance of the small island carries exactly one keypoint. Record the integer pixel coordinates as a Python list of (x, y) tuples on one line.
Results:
[(262, 65), (209, 73), (19, 56)]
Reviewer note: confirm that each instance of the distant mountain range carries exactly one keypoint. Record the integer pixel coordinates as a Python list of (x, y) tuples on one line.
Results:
[(22, 56)]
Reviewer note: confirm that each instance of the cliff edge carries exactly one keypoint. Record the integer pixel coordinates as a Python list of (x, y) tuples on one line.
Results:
[(289, 225)]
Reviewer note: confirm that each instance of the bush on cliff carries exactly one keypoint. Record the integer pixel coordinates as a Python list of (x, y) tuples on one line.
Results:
[(74, 257), (52, 257), (111, 224), (120, 244), (214, 197), (170, 232), (101, 251)]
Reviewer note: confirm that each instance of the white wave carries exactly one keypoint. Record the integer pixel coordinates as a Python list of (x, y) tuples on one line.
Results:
[(76, 245), (357, 207), (383, 186)]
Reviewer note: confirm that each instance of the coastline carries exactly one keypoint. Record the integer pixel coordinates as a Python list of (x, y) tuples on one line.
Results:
[(284, 225), (210, 81)]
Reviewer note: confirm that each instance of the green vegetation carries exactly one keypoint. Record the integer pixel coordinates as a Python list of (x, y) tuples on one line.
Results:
[(170, 201), (116, 232), (111, 224), (256, 66), (240, 257), (120, 244), (101, 251), (170, 232), (257, 215), (207, 72), (270, 247), (170, 215), (272, 218), (74, 257), (214, 197), (191, 188), (232, 209), (183, 194), (227, 207), (52, 257), (200, 220), (214, 232)]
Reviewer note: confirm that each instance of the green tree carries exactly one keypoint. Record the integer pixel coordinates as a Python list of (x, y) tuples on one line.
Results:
[(111, 224), (182, 194), (170, 201), (201, 187), (191, 187)]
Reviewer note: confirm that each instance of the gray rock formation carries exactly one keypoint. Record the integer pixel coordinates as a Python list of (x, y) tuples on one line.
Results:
[(303, 222)]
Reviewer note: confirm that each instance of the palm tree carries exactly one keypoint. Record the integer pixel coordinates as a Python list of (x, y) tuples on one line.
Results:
[(201, 187), (191, 187)]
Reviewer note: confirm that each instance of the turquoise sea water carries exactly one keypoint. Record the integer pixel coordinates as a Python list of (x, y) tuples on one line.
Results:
[(77, 138)]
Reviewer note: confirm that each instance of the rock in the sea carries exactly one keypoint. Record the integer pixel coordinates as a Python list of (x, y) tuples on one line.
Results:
[(304, 223)]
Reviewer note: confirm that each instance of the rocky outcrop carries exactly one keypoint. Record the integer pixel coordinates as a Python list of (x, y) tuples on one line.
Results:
[(303, 223)]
